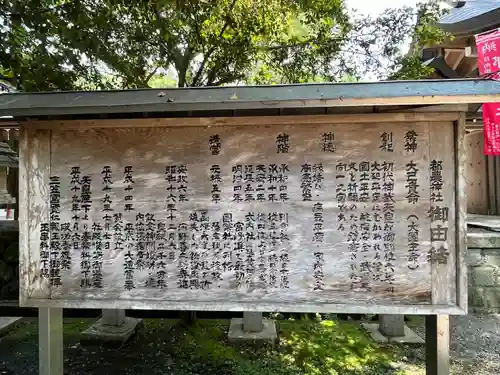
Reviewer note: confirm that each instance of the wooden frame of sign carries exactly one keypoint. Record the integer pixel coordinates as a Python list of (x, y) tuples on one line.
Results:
[(356, 213)]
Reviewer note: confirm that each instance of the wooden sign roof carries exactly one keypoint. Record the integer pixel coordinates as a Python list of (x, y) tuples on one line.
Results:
[(324, 95)]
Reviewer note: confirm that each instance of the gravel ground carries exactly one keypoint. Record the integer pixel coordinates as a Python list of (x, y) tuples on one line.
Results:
[(475, 346)]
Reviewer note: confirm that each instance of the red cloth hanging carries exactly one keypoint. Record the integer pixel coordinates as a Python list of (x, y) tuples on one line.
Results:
[(488, 60)]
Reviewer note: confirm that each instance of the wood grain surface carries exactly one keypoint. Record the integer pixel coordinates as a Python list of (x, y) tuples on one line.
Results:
[(151, 150)]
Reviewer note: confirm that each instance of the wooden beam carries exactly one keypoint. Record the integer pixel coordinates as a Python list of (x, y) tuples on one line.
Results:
[(450, 91), (470, 51), (472, 68), (149, 304), (459, 59), (244, 121), (461, 161)]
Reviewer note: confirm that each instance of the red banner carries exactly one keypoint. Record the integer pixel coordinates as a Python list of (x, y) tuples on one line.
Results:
[(488, 60)]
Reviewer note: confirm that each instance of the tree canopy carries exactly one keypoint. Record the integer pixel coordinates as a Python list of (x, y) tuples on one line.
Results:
[(94, 44)]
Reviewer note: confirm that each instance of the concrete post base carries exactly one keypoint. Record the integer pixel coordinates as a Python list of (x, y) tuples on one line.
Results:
[(7, 323), (409, 337), (252, 329), (113, 328)]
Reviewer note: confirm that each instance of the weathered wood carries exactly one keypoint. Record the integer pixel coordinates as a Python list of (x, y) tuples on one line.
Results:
[(484, 221), (461, 216), (443, 270), (496, 181), (262, 306), (422, 92), (4, 135), (150, 149), (412, 286), (13, 176), (479, 238), (476, 174), (492, 199), (437, 345), (24, 219), (436, 108), (246, 120), (50, 341), (34, 175)]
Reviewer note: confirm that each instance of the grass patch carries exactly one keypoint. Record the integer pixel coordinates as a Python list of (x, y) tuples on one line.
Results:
[(166, 347), (312, 347), (332, 347)]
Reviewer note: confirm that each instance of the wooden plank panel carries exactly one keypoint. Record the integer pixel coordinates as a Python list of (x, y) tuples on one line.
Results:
[(295, 245), (305, 307), (492, 190), (24, 216), (34, 193), (442, 179), (13, 176), (476, 173), (246, 121), (461, 215)]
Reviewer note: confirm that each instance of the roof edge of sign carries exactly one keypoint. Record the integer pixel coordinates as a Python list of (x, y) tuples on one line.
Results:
[(421, 92)]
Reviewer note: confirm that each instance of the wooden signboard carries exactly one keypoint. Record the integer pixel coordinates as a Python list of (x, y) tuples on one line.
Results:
[(295, 213)]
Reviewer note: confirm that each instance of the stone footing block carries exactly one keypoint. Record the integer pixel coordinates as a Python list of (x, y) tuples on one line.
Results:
[(8, 323), (100, 333), (409, 337), (238, 335)]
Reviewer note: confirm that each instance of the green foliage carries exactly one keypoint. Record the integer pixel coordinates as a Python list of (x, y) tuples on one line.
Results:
[(33, 55), (425, 33), (410, 67), (161, 81), (98, 44)]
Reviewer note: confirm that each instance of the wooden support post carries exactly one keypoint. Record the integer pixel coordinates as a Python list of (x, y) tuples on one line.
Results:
[(13, 176), (437, 344), (252, 322), (50, 341)]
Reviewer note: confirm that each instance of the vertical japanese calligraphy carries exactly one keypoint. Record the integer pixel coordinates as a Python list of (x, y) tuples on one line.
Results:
[(318, 237), (438, 215), (105, 243), (411, 141), (301, 213), (129, 187), (216, 179), (56, 259), (328, 142), (412, 196), (386, 142), (282, 143), (214, 144), (86, 239), (389, 234)]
